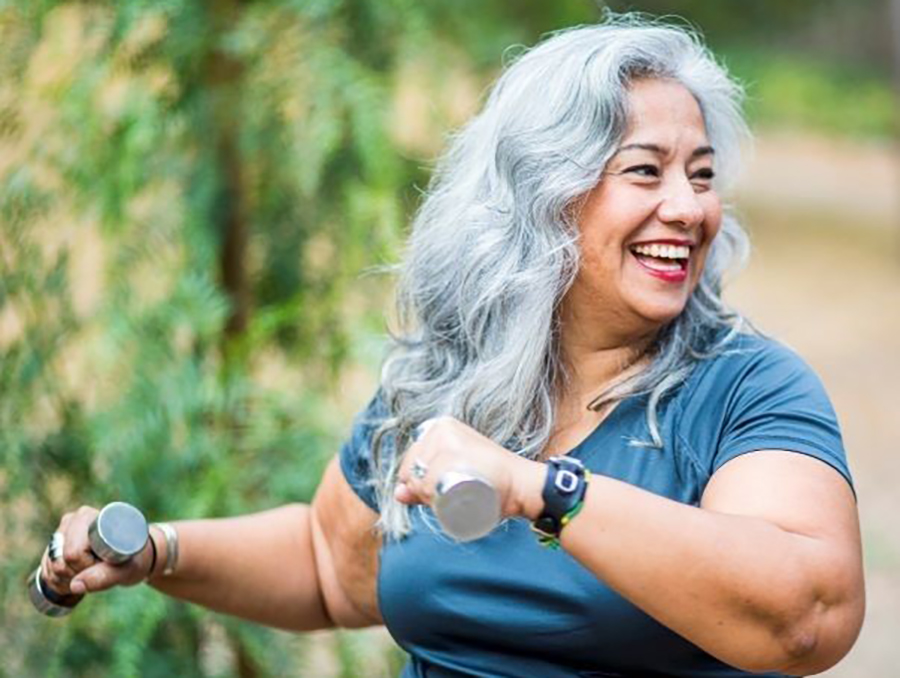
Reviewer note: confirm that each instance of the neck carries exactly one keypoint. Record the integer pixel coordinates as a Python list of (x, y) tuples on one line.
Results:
[(592, 370), (594, 361)]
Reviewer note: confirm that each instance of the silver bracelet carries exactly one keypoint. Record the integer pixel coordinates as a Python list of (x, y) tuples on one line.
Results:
[(171, 547)]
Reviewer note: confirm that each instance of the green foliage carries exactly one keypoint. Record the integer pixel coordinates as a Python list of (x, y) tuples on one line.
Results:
[(747, 19), (788, 90), (807, 63), (189, 194)]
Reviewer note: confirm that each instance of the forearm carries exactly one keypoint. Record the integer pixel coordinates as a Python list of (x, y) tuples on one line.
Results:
[(740, 588), (259, 567)]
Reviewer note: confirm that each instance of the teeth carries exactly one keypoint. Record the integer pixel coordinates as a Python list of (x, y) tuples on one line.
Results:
[(664, 251)]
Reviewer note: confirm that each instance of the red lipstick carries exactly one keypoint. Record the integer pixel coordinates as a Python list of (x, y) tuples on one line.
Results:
[(674, 276), (668, 273)]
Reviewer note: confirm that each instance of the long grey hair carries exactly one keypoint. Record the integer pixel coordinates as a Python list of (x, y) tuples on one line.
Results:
[(494, 245)]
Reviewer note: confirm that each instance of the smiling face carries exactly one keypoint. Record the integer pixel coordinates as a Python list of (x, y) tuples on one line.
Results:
[(647, 227)]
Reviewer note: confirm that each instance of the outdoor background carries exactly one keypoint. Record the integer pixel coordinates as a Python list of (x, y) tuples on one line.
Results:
[(193, 194)]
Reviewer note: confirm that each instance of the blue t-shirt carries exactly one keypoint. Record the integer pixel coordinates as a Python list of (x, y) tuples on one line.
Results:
[(505, 606)]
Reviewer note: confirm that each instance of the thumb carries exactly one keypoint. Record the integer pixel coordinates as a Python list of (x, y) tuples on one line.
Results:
[(99, 577)]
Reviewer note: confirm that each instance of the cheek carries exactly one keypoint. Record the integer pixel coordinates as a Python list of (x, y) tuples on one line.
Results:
[(714, 221), (712, 209), (712, 225)]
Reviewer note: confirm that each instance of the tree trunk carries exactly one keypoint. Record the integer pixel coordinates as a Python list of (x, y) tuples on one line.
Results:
[(224, 78)]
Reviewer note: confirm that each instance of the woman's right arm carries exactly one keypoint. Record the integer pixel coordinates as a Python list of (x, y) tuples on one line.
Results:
[(295, 567)]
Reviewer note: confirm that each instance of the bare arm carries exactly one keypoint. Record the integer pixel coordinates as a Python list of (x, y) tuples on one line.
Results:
[(259, 567), (766, 575), (283, 567)]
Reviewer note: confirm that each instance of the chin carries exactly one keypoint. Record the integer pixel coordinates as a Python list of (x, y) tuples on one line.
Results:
[(659, 314)]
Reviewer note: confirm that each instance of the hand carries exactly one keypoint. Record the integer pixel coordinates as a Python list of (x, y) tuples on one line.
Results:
[(79, 571), (447, 444)]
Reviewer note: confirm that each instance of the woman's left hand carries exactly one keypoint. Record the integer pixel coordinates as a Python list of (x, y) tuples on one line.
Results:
[(447, 444)]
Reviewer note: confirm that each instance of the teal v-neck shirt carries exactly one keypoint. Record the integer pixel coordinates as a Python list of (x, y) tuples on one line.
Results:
[(505, 606)]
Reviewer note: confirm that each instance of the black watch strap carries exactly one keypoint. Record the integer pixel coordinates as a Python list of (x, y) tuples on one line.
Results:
[(564, 489)]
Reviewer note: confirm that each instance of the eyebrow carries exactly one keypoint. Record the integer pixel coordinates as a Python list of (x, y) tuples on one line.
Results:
[(654, 148)]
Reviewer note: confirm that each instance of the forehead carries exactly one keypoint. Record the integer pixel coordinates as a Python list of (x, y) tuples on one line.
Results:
[(663, 111)]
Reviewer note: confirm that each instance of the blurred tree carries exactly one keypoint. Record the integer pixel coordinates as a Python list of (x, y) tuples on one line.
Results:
[(189, 190), (852, 28)]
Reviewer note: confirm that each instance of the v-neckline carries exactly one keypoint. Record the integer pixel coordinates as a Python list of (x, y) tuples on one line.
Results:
[(603, 425)]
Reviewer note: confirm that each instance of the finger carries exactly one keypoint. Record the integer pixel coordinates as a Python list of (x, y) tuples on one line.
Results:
[(100, 577), (77, 550), (56, 568), (414, 453), (420, 430), (417, 490), (404, 495), (55, 574)]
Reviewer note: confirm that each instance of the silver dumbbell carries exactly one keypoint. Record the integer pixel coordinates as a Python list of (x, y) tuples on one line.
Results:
[(117, 534), (467, 506)]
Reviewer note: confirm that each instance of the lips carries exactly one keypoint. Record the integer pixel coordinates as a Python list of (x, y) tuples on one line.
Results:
[(666, 260)]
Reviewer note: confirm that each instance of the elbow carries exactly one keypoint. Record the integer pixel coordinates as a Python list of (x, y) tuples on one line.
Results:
[(806, 643), (821, 640), (818, 629)]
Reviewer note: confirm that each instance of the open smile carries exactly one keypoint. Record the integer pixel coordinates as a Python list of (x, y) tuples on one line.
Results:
[(665, 260)]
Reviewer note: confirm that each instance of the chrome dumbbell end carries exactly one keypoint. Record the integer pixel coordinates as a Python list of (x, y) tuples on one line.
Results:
[(117, 534), (47, 601), (466, 505)]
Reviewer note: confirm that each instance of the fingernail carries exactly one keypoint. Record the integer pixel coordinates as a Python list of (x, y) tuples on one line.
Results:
[(77, 587)]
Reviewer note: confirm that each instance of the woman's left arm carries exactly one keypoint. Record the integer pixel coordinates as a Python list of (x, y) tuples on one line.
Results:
[(766, 574)]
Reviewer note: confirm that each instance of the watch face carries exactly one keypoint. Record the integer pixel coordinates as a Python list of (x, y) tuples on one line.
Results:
[(566, 481)]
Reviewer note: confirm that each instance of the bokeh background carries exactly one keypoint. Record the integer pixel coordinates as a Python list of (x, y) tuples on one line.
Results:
[(195, 200)]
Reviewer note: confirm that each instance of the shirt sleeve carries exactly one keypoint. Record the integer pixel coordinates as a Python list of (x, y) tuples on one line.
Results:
[(778, 403), (356, 455)]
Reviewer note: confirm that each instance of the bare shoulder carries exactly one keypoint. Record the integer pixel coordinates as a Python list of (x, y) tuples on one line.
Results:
[(346, 544)]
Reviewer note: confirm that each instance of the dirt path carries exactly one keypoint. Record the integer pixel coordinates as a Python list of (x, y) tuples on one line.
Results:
[(825, 278), (860, 181)]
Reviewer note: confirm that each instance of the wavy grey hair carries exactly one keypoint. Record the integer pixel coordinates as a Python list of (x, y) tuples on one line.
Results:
[(494, 245)]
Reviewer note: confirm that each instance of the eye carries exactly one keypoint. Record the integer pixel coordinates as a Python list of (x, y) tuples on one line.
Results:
[(702, 179), (643, 170)]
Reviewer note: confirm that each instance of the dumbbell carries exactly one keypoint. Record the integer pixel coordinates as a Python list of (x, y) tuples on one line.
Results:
[(117, 534)]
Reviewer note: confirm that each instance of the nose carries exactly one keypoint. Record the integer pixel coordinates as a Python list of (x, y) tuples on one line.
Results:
[(680, 205)]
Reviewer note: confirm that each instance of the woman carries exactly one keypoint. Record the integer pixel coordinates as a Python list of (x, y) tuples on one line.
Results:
[(566, 339)]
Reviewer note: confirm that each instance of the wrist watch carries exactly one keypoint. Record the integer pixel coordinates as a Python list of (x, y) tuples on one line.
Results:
[(564, 490)]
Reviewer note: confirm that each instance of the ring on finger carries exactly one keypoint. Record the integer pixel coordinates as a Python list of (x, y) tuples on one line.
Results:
[(419, 469), (55, 549)]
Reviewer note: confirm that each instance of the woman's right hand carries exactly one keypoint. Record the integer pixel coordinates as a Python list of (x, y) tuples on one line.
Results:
[(79, 571)]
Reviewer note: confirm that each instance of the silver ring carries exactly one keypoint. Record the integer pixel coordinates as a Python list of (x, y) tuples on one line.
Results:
[(419, 469), (55, 549)]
